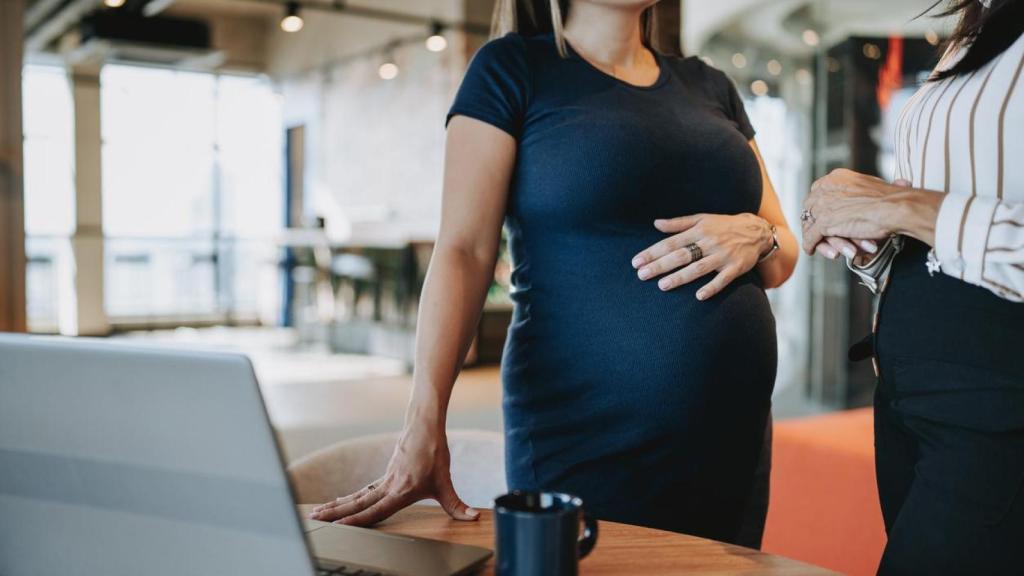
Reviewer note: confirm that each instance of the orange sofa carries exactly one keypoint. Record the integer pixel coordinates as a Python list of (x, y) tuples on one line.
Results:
[(824, 503)]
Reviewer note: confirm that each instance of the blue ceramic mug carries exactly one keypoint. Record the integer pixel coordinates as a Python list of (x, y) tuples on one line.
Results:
[(539, 533)]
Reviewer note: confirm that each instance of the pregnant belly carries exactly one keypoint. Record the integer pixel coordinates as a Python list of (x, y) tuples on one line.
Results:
[(617, 351)]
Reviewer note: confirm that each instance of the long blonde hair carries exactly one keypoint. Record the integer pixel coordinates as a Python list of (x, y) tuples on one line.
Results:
[(536, 17)]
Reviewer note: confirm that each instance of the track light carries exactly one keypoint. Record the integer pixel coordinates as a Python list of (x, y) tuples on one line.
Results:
[(292, 22), (436, 42), (872, 51), (811, 37), (388, 70)]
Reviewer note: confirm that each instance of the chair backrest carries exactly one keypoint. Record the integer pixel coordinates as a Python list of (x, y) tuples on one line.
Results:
[(478, 467)]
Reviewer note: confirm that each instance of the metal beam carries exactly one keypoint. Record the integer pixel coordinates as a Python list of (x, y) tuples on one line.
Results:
[(154, 7), (53, 27), (40, 11)]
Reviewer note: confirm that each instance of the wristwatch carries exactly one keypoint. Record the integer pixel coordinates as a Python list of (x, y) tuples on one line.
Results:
[(775, 244)]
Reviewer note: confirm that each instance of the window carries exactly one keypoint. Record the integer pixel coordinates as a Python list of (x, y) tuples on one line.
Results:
[(192, 193), (158, 152), (49, 189)]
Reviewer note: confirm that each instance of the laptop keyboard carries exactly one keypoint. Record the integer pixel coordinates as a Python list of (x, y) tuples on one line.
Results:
[(346, 571)]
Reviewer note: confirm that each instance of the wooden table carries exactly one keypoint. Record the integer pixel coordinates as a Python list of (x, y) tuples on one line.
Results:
[(621, 548)]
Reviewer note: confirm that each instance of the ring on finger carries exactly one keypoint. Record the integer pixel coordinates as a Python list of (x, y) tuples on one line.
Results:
[(807, 217), (695, 252)]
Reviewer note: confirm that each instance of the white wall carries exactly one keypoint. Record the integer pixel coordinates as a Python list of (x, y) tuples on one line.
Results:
[(374, 148)]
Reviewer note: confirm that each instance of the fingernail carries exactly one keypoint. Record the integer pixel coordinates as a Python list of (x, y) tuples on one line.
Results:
[(869, 247), (663, 284), (472, 512), (659, 222), (639, 261), (831, 253), (701, 295), (644, 273), (849, 252)]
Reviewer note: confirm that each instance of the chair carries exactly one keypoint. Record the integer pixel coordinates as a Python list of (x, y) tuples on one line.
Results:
[(353, 274), (478, 467)]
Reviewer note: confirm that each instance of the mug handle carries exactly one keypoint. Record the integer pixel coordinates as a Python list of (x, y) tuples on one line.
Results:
[(588, 539)]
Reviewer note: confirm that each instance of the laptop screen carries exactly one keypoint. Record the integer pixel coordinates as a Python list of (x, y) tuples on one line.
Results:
[(118, 460)]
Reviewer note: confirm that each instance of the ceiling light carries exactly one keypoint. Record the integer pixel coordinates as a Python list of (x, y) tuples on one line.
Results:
[(774, 67), (803, 76), (739, 60), (436, 42), (759, 87), (872, 51), (932, 37), (113, 3), (388, 70), (811, 37), (292, 22)]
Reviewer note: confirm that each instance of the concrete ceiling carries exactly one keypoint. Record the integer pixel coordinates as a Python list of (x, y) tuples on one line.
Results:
[(778, 24)]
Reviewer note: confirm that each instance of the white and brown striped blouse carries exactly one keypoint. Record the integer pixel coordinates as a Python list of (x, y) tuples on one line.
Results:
[(965, 136)]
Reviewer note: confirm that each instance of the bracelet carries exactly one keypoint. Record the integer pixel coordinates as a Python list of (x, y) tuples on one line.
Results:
[(775, 244)]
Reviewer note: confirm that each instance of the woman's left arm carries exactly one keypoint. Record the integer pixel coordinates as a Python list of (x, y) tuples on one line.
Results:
[(728, 245), (978, 239), (779, 267)]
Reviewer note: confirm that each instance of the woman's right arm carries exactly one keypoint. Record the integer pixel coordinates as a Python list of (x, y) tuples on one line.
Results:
[(479, 160)]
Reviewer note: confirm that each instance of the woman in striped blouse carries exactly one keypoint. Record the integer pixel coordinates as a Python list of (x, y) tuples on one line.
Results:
[(949, 408)]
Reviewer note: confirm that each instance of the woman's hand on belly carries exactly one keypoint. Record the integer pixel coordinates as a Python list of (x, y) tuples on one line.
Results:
[(730, 245)]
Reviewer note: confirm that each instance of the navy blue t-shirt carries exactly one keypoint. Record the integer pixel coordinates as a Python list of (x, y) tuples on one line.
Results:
[(612, 386)]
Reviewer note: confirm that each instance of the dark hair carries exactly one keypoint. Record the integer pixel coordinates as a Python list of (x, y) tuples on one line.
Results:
[(984, 32)]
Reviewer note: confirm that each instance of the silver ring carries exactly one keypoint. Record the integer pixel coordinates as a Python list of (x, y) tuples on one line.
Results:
[(695, 252), (806, 216)]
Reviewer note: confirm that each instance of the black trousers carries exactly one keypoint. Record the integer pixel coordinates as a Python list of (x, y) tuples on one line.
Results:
[(951, 494), (949, 425)]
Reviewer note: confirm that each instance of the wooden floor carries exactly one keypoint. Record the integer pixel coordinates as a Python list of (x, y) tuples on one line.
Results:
[(310, 415)]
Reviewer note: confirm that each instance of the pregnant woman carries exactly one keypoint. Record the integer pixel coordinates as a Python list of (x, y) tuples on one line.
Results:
[(641, 358), (949, 407)]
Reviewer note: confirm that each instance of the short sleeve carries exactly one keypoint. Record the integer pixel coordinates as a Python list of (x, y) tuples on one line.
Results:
[(733, 103), (496, 86)]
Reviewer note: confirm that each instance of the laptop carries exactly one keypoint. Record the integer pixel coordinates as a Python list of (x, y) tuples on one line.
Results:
[(122, 460)]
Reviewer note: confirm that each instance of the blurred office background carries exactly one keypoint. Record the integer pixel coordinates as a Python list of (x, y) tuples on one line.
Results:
[(265, 176)]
